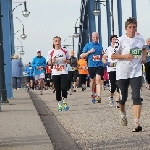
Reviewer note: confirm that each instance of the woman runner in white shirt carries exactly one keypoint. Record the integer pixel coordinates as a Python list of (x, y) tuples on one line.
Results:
[(58, 57), (131, 53), (111, 69)]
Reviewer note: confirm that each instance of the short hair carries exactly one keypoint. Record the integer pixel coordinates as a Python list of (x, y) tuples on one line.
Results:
[(130, 21), (112, 36), (54, 38)]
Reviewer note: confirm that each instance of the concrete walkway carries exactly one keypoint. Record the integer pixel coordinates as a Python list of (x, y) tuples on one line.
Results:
[(97, 126), (20, 125)]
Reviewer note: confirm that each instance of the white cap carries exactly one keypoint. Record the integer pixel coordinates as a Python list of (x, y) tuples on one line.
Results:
[(38, 51)]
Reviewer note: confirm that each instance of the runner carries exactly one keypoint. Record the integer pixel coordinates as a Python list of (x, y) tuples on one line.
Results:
[(74, 65), (130, 51), (59, 57), (147, 64), (39, 64), (83, 71), (93, 52), (29, 71), (111, 69)]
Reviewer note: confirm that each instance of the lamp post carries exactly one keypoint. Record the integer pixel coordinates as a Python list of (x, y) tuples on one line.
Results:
[(97, 11), (23, 36), (25, 13), (3, 91), (72, 41)]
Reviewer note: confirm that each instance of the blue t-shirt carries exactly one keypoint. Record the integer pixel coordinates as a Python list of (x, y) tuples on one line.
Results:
[(38, 62), (148, 57), (95, 58), (29, 70)]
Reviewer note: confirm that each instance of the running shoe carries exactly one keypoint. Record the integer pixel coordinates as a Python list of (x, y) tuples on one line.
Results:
[(41, 92), (111, 101), (117, 105), (137, 129), (93, 99), (59, 108), (66, 107), (124, 121), (98, 99)]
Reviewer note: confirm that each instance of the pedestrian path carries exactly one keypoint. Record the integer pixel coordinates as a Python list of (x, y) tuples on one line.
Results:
[(20, 125), (97, 126)]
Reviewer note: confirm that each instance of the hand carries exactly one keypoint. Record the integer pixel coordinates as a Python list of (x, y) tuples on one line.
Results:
[(92, 50), (129, 57), (53, 60), (65, 60), (111, 64), (104, 61), (143, 61), (49, 62)]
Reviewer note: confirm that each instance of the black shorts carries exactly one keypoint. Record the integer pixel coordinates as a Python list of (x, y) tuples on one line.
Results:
[(29, 78), (48, 77), (95, 70)]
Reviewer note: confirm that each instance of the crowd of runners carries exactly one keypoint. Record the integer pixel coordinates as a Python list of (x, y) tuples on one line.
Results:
[(124, 63)]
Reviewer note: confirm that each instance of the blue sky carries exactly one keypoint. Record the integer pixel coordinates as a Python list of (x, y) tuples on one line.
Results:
[(49, 18)]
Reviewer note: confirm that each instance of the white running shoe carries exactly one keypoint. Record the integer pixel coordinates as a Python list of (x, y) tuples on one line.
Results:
[(111, 101)]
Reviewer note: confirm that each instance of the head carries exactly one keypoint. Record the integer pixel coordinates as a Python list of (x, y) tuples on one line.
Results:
[(113, 39), (95, 37), (15, 56), (38, 52), (72, 53), (29, 64), (56, 42), (148, 41), (131, 27)]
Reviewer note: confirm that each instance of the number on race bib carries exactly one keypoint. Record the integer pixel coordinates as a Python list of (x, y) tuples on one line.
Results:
[(136, 52), (96, 57), (59, 68), (115, 63)]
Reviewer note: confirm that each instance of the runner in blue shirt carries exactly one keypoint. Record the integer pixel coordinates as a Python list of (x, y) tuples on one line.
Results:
[(29, 71), (93, 52), (39, 64)]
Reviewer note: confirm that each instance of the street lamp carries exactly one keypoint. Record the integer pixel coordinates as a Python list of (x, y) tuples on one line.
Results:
[(23, 36), (76, 35), (97, 11), (72, 42), (25, 13)]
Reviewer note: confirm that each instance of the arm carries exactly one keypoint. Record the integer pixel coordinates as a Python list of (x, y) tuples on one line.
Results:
[(33, 64), (144, 55), (117, 52)]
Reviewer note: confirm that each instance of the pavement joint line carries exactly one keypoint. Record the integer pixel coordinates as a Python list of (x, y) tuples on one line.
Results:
[(61, 140)]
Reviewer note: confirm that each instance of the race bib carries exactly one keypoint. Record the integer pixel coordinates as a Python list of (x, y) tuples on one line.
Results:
[(148, 54), (48, 78), (136, 52), (59, 67), (30, 67), (96, 57), (114, 64)]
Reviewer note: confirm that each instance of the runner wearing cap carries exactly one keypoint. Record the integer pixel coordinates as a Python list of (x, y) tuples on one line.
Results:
[(39, 64)]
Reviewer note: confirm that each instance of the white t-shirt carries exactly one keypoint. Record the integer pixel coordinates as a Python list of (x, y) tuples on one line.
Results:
[(59, 66), (125, 68), (108, 52)]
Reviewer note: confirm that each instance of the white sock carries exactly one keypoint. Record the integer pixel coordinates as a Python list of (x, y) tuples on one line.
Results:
[(59, 103), (123, 114)]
